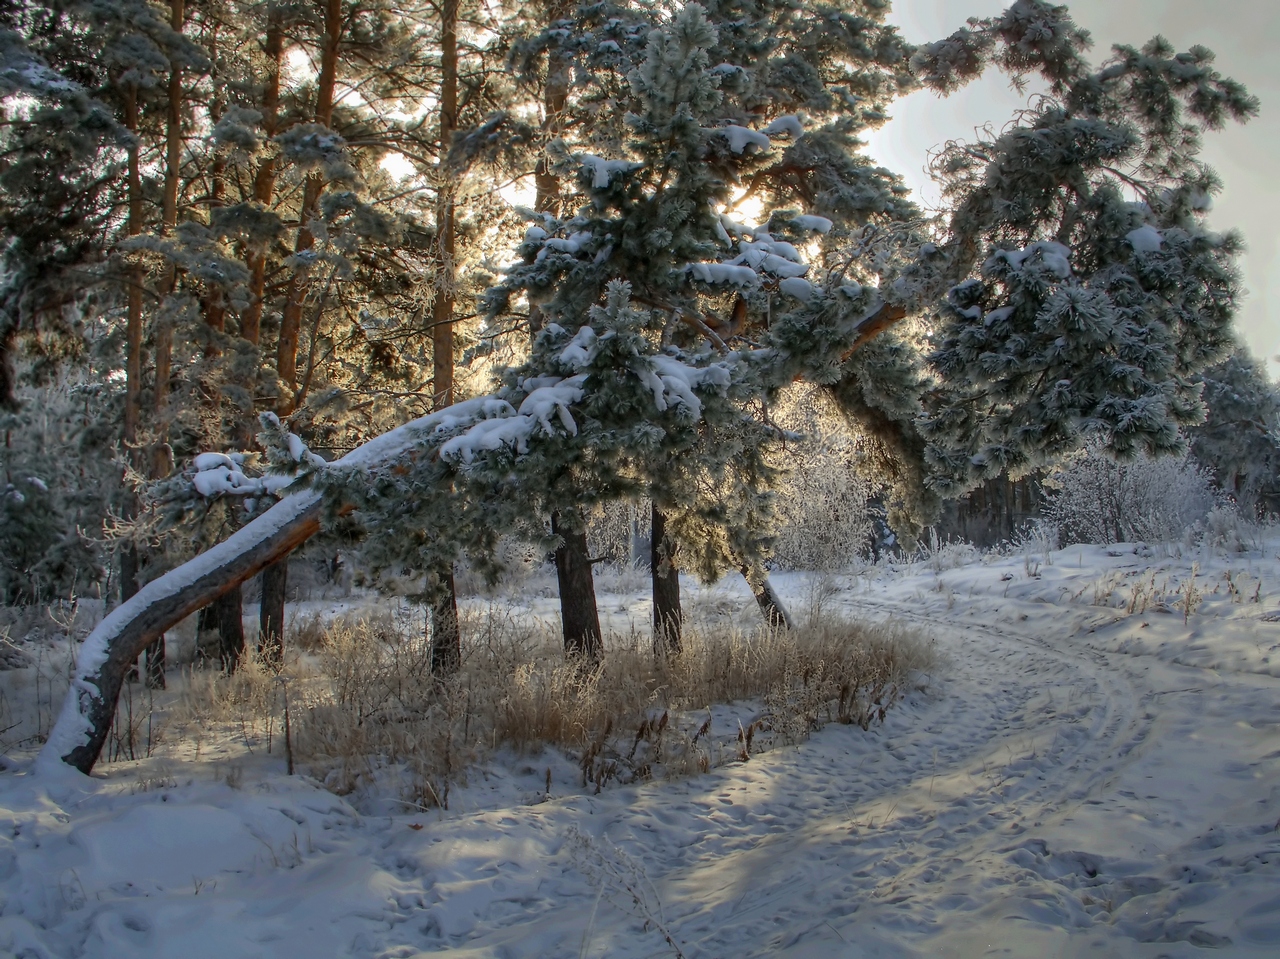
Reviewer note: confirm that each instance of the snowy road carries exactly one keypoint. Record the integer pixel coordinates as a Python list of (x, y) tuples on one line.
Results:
[(1041, 801), (1058, 788)]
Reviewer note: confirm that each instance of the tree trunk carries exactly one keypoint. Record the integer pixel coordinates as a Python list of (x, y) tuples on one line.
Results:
[(442, 308), (291, 317), (578, 613), (230, 628), (134, 279), (114, 645), (546, 185), (275, 584), (129, 559), (264, 183), (668, 618), (213, 304), (446, 639), (775, 614), (173, 160)]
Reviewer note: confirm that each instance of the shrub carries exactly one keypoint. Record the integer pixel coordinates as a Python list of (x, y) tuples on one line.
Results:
[(823, 522), (1095, 499)]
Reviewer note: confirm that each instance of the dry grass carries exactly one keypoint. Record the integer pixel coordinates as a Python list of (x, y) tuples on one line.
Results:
[(373, 717)]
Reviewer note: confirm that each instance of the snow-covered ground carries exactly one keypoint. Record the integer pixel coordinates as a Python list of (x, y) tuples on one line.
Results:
[(1092, 770)]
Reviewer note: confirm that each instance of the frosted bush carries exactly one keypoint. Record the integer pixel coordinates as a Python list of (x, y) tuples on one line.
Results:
[(1095, 499), (823, 519), (1225, 529)]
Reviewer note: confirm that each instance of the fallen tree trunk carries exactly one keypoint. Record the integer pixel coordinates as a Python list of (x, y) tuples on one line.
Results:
[(85, 720)]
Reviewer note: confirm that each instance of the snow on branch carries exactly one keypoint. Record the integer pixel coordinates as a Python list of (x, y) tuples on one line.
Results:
[(744, 139)]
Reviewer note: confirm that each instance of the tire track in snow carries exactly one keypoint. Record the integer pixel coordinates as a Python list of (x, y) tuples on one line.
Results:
[(1065, 725), (884, 838), (757, 858)]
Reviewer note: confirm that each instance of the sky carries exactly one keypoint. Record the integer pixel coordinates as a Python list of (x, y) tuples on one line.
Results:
[(1245, 35)]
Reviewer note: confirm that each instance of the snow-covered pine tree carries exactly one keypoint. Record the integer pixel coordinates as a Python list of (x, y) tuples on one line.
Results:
[(1239, 440), (1098, 289), (655, 217), (56, 184), (711, 120)]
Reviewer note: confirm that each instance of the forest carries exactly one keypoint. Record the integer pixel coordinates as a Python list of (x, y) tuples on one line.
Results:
[(474, 417)]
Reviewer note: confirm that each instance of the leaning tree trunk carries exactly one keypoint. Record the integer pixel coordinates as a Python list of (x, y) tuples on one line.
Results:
[(578, 614), (104, 659), (775, 614), (668, 618)]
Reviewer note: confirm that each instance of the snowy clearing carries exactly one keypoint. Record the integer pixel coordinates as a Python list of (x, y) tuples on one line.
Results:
[(1094, 770)]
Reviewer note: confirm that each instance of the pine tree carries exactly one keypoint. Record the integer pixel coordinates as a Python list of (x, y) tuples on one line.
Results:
[(1239, 440), (656, 199), (1074, 291), (1100, 290)]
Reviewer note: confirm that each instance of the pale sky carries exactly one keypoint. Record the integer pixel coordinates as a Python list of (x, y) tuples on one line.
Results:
[(1245, 35)]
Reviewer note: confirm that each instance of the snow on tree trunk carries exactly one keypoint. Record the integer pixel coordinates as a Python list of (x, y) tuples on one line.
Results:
[(775, 614), (111, 649)]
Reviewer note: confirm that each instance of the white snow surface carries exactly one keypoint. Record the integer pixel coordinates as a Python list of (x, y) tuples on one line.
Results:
[(798, 287), (788, 125), (724, 273), (1145, 239), (513, 428), (773, 256), (740, 138), (602, 170), (1088, 772), (1054, 257), (819, 224)]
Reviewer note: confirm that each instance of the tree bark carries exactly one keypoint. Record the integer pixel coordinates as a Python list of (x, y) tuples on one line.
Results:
[(291, 317), (275, 577), (443, 306), (134, 278), (264, 182), (446, 638), (231, 628), (275, 585), (775, 614), (578, 614), (85, 721), (169, 220), (668, 618), (129, 559), (546, 186)]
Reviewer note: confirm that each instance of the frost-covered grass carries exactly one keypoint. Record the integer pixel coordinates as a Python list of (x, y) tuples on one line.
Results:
[(367, 718)]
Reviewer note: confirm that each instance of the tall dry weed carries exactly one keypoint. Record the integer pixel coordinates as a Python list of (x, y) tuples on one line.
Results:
[(374, 718)]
